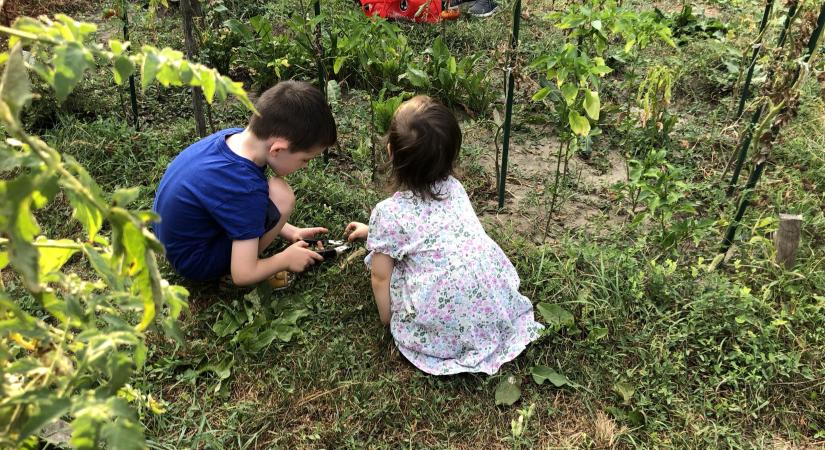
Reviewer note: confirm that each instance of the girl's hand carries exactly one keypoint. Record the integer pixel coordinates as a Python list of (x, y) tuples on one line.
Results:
[(356, 230)]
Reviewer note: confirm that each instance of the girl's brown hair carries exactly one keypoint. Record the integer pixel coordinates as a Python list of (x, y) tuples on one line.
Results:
[(424, 140)]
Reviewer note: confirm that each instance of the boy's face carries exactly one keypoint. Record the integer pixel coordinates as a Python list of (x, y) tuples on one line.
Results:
[(283, 161)]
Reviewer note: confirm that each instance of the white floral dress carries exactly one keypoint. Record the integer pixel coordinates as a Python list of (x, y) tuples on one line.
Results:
[(453, 293)]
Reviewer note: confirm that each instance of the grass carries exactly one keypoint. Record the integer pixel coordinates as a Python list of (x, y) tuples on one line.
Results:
[(732, 358)]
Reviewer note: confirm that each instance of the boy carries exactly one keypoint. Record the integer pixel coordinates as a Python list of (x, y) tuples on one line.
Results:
[(218, 210)]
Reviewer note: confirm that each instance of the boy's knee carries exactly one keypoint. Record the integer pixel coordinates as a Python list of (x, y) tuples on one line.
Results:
[(281, 194)]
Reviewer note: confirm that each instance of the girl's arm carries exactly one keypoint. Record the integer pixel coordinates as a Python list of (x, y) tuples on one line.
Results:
[(382, 266)]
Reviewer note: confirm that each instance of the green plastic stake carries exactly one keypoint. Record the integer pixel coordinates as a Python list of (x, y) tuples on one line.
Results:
[(754, 55), (508, 108), (132, 90)]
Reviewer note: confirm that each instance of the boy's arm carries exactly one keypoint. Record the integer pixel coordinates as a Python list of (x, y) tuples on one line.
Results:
[(246, 268), (382, 266)]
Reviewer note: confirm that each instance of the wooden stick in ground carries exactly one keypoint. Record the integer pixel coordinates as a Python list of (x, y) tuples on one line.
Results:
[(191, 51), (786, 239)]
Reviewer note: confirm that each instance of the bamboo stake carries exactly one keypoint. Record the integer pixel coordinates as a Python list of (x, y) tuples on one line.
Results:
[(191, 50), (319, 56)]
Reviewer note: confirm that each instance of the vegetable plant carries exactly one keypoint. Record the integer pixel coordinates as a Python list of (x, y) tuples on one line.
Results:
[(75, 312)]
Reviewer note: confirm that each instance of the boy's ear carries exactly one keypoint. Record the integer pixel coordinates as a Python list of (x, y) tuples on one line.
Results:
[(278, 144)]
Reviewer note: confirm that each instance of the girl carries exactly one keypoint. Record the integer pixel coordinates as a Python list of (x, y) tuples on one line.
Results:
[(447, 291)]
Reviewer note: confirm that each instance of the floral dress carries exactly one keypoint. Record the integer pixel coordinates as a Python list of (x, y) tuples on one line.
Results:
[(453, 293)]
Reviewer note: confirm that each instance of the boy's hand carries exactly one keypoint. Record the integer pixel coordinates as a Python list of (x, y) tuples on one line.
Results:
[(308, 233), (356, 230), (298, 257)]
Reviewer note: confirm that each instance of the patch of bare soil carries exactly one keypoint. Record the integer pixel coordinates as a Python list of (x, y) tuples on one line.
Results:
[(530, 178), (11, 9)]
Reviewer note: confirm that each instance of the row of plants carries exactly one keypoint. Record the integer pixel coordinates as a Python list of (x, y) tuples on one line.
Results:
[(75, 313), (361, 52)]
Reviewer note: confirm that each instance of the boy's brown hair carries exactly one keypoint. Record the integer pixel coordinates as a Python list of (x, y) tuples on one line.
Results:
[(425, 141), (296, 111)]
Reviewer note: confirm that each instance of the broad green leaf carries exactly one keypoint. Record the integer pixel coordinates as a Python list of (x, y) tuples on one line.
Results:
[(597, 333), (569, 91), (44, 413), (17, 221), (236, 88), (339, 62), (446, 79), (541, 94), (70, 62), (578, 124), (625, 391), (508, 391), (102, 265), (54, 253), (592, 104), (121, 69), (123, 435), (4, 259), (543, 373), (225, 326), (417, 77), (117, 47), (85, 210), (555, 315), (208, 84), (119, 369), (125, 196), (15, 88), (150, 66), (451, 65), (285, 332), (141, 351)]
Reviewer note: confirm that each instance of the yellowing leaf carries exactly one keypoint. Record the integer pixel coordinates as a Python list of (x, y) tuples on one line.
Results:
[(569, 91), (53, 254), (15, 88), (592, 104), (579, 124)]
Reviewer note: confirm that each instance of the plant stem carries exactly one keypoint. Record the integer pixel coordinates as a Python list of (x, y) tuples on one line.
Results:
[(27, 36)]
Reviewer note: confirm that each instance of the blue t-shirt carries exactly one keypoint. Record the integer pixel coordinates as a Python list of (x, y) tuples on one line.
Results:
[(209, 197)]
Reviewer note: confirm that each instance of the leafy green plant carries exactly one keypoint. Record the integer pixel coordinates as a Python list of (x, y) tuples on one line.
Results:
[(660, 188), (266, 57), (74, 355), (653, 99), (458, 81), (383, 110), (367, 52)]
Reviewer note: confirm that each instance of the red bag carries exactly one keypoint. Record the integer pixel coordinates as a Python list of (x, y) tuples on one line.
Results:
[(430, 10)]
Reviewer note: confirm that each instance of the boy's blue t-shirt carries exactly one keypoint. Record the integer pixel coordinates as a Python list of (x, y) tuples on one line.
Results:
[(209, 197)]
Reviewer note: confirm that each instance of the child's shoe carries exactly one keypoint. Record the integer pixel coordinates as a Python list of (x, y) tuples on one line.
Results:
[(281, 280)]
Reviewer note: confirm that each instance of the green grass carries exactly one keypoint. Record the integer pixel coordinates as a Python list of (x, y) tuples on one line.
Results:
[(732, 358)]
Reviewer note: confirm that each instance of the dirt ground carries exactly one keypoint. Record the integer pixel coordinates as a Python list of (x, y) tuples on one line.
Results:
[(531, 170)]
